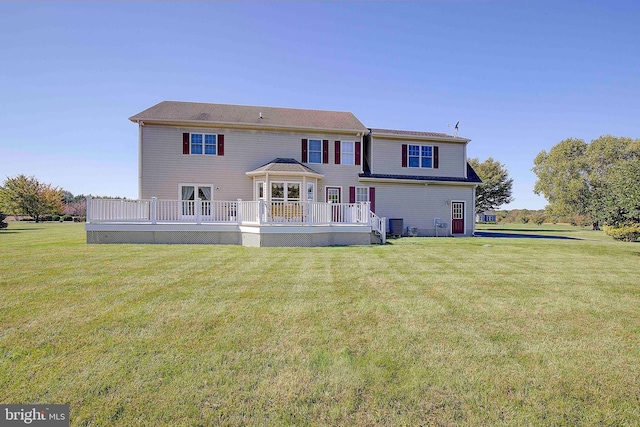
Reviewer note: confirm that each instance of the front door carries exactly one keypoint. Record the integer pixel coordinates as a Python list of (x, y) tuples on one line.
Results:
[(457, 217)]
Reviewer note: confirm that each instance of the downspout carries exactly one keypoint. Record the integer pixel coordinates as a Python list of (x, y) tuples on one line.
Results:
[(473, 210), (140, 124)]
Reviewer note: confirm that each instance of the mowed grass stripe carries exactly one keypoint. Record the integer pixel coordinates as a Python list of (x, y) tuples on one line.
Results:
[(465, 331)]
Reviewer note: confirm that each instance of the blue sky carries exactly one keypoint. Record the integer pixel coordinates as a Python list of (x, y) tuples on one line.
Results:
[(520, 76)]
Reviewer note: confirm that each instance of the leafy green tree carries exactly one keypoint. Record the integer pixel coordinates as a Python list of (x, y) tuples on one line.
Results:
[(496, 186), (621, 202), (24, 195), (562, 178), (590, 182)]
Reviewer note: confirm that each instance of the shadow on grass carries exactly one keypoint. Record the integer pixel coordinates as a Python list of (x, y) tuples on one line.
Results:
[(523, 236), (15, 229), (529, 230)]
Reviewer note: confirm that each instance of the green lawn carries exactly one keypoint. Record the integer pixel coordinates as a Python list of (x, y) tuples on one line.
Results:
[(421, 331)]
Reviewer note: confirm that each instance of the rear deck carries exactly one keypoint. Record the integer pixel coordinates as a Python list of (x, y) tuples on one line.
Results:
[(247, 223)]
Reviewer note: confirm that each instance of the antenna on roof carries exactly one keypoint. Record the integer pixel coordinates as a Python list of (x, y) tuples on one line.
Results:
[(456, 127)]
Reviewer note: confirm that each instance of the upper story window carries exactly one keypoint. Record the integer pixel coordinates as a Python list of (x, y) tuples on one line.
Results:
[(203, 143), (315, 151), (420, 156), (347, 153)]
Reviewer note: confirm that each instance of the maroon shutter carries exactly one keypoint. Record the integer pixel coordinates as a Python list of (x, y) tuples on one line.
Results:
[(325, 151), (337, 145), (435, 157), (372, 198), (304, 151), (185, 143), (358, 153), (220, 145), (404, 155), (352, 194)]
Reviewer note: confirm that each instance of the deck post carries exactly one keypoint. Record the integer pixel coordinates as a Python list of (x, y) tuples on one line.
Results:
[(198, 211), (367, 212), (89, 212), (309, 213), (384, 229), (152, 214), (260, 210), (239, 212)]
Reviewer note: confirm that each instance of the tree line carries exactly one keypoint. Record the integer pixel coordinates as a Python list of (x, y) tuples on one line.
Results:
[(26, 196)]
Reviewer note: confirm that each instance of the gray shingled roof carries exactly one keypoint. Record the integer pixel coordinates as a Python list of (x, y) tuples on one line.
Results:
[(412, 133), (196, 112), (284, 165), (472, 177)]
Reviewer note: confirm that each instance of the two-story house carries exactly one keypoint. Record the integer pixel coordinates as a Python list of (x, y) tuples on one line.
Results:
[(280, 176)]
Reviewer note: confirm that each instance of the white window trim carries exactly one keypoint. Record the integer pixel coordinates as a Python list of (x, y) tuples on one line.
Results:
[(420, 156), (195, 189), (313, 192), (326, 192), (286, 191), (204, 150), (342, 152), (366, 192), (309, 151)]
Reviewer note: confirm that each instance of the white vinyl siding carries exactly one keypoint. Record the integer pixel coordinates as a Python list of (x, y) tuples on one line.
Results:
[(425, 204), (164, 166), (386, 158)]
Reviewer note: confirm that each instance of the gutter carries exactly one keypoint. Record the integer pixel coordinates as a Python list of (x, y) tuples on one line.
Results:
[(200, 123)]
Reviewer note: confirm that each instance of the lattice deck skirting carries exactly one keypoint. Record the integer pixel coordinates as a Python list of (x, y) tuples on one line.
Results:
[(275, 236)]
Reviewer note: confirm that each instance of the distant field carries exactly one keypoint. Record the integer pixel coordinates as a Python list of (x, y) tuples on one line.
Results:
[(421, 331)]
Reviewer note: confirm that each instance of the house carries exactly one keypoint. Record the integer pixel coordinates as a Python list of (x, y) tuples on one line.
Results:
[(486, 216), (265, 176)]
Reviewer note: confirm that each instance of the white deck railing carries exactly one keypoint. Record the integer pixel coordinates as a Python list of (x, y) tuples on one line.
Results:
[(260, 212)]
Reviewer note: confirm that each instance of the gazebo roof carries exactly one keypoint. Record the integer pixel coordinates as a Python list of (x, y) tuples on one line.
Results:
[(283, 166)]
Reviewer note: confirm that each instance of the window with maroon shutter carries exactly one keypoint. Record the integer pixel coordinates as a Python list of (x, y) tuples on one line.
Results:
[(220, 145), (352, 194), (325, 151), (337, 152), (435, 157), (201, 143), (404, 155), (185, 143), (304, 150), (357, 153)]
